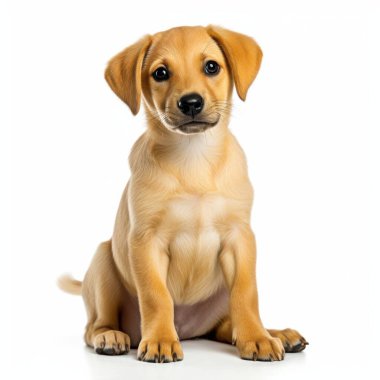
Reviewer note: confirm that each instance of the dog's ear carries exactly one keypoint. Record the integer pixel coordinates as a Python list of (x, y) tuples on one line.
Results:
[(123, 73), (243, 55)]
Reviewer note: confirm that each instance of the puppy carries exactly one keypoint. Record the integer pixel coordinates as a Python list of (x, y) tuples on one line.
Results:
[(181, 261)]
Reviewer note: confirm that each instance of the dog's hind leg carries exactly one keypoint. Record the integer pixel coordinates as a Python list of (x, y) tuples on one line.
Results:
[(222, 332), (291, 339), (102, 293)]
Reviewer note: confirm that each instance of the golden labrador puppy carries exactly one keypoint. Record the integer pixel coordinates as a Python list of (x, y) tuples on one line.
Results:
[(181, 261)]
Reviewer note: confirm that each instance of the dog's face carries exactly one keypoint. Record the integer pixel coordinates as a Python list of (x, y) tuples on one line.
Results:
[(186, 80), (186, 75)]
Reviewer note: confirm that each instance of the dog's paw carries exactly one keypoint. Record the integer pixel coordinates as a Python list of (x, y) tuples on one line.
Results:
[(159, 351), (112, 342), (292, 340), (264, 348)]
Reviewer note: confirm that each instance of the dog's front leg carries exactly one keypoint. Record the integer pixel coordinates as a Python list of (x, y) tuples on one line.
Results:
[(238, 261), (159, 342)]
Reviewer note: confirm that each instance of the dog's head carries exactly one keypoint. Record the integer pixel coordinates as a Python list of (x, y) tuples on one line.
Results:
[(185, 75)]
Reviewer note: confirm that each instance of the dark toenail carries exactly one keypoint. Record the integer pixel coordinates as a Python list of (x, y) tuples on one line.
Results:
[(298, 347), (109, 351), (264, 360)]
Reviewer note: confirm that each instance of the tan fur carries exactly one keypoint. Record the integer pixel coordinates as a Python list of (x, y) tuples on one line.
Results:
[(182, 229), (69, 285)]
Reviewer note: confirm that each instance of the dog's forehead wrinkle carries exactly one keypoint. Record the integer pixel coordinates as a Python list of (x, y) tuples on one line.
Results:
[(162, 51), (154, 56), (210, 43)]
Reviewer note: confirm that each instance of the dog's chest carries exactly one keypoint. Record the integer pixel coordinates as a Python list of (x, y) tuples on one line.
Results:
[(194, 243)]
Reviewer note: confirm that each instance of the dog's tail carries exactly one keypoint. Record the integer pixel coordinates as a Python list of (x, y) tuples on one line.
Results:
[(70, 285)]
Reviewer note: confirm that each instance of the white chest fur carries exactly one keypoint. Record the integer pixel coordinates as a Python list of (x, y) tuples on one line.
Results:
[(194, 243)]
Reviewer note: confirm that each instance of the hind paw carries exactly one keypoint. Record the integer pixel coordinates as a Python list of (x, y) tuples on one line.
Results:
[(112, 342), (292, 340)]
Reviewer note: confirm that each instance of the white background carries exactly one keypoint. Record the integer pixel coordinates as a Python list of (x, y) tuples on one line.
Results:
[(308, 128)]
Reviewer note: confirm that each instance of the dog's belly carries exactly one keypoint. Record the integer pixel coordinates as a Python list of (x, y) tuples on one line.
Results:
[(198, 319), (190, 320)]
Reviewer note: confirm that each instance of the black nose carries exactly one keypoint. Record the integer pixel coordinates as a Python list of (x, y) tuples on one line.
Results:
[(191, 104)]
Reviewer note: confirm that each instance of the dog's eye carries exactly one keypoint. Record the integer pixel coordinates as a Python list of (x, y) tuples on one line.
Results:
[(161, 74), (211, 68)]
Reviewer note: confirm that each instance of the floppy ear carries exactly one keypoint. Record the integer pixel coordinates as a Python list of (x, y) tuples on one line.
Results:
[(243, 55), (123, 73)]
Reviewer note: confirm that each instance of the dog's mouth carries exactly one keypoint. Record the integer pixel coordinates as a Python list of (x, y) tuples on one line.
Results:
[(195, 126)]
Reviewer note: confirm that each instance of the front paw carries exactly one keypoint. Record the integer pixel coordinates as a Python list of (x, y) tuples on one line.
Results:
[(160, 350), (262, 348)]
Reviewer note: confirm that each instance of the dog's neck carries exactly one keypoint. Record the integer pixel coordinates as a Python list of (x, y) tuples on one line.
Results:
[(195, 158)]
